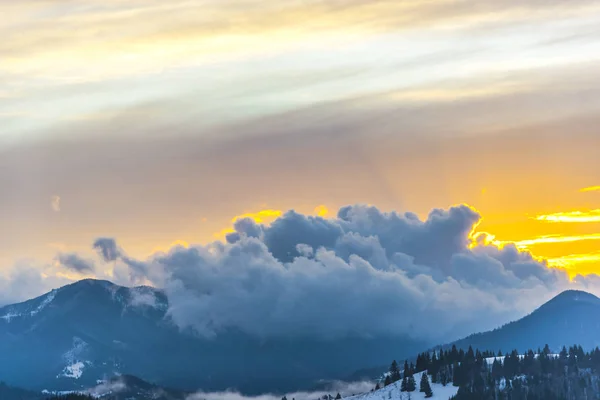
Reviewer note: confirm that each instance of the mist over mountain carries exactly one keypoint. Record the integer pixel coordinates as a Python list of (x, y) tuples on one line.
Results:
[(91, 330)]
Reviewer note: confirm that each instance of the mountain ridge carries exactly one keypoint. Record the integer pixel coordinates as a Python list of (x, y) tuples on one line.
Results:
[(561, 321), (495, 339), (72, 336)]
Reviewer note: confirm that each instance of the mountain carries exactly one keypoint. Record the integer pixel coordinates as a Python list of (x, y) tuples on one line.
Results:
[(572, 317), (12, 393), (92, 330)]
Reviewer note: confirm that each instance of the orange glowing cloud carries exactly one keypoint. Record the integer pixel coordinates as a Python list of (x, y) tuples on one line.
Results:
[(577, 264), (523, 244), (571, 216), (575, 259)]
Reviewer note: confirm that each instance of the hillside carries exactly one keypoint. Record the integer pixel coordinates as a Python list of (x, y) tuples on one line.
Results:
[(393, 392), (91, 330)]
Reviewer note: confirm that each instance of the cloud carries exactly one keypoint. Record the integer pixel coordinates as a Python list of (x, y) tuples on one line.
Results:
[(107, 249), (26, 280), (586, 263), (108, 387), (344, 388), (143, 296), (130, 271), (74, 262), (572, 216), (523, 244), (363, 273), (366, 273), (55, 203)]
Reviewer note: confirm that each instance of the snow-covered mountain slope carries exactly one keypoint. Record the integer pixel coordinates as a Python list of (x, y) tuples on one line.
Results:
[(393, 392)]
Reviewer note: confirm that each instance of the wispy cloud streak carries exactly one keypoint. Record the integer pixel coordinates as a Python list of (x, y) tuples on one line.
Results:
[(591, 189), (571, 216)]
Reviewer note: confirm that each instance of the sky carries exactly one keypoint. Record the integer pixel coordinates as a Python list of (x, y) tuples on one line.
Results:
[(161, 124)]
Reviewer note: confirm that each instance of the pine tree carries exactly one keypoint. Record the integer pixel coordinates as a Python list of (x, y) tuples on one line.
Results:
[(546, 350), (411, 385), (444, 376), (377, 387), (422, 384), (388, 380), (425, 387), (338, 397), (404, 385), (394, 372)]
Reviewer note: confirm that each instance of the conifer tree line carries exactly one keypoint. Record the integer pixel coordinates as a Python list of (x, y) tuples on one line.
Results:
[(573, 374), (408, 383)]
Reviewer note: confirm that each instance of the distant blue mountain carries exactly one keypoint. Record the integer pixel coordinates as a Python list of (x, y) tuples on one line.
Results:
[(572, 317), (93, 330)]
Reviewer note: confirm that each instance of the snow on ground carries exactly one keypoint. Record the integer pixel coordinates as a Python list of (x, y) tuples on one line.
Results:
[(10, 315), (47, 300), (17, 311), (74, 370), (392, 392), (79, 346), (58, 393)]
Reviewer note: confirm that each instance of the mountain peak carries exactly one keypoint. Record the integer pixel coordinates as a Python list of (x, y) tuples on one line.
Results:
[(570, 317), (91, 282), (574, 295)]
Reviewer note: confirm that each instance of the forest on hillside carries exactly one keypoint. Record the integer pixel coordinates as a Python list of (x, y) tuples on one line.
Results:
[(572, 374)]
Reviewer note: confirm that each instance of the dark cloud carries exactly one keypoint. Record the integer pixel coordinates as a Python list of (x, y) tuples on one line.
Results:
[(363, 273), (76, 263), (107, 249), (285, 233), (135, 272)]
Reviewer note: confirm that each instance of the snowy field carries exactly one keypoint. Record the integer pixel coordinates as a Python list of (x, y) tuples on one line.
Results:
[(392, 392)]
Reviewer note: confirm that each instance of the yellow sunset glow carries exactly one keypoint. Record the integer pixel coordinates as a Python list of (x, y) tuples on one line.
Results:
[(572, 216), (591, 189), (260, 216), (321, 211)]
